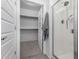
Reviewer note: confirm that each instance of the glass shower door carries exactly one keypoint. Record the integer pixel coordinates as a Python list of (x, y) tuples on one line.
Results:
[(63, 30)]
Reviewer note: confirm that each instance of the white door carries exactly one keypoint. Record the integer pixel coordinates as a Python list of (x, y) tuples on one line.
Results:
[(8, 29), (63, 30)]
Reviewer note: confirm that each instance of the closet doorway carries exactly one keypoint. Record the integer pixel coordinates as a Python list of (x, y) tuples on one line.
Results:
[(31, 30)]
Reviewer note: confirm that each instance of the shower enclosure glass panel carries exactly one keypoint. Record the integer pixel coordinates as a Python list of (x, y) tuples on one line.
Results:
[(63, 30)]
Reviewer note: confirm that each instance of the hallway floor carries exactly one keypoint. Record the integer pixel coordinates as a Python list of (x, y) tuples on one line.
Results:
[(30, 50)]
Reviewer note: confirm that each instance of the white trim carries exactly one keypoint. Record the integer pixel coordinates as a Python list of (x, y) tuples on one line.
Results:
[(18, 28), (75, 29)]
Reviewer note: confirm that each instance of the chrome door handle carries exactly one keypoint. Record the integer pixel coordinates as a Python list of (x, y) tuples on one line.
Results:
[(4, 38)]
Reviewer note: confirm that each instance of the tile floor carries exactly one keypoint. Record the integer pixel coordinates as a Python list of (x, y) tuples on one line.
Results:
[(30, 50)]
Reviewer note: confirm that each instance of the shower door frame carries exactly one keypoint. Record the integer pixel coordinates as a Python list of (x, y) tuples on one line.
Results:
[(75, 29)]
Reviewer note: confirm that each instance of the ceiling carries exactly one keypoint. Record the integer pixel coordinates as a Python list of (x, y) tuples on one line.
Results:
[(25, 4)]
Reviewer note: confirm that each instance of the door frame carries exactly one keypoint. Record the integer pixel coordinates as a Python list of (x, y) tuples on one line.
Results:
[(75, 29), (52, 8), (18, 29), (42, 7)]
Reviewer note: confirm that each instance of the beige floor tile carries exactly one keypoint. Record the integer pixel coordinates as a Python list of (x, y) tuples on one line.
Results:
[(31, 50)]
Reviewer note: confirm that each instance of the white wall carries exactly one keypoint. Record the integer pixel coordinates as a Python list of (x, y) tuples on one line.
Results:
[(31, 5), (52, 2), (48, 43), (37, 1), (28, 23), (29, 29), (28, 12), (29, 35)]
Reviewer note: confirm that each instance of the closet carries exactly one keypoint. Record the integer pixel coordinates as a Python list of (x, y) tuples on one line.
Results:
[(28, 25), (30, 29)]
